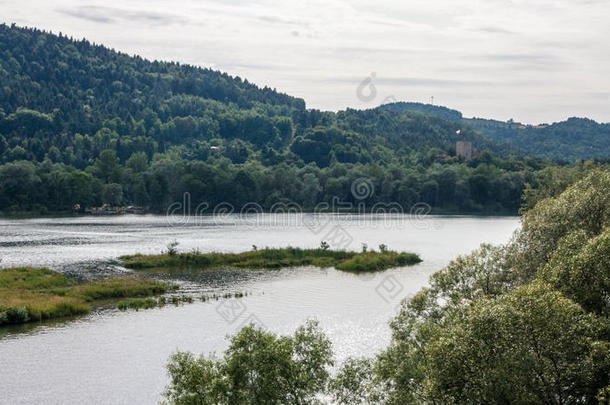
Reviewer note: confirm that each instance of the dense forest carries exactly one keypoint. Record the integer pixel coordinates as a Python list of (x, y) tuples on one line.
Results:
[(429, 109), (570, 140), (83, 124)]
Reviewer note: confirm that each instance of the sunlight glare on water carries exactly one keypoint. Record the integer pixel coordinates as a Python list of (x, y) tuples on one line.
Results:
[(119, 357)]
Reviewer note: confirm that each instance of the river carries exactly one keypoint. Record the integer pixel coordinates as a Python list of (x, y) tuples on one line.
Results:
[(114, 357)]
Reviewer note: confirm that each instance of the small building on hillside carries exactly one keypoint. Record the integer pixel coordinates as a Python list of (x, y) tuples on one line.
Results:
[(463, 149)]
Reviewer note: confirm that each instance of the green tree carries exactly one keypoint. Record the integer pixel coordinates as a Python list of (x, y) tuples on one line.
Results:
[(258, 368), (584, 206), (529, 346), (107, 166), (580, 268), (138, 162), (113, 194), (356, 383)]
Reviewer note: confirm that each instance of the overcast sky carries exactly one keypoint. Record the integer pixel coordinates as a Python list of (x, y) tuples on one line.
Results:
[(531, 60)]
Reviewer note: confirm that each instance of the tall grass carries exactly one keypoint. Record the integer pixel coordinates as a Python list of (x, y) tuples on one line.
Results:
[(276, 258), (118, 288), (31, 294), (137, 303), (28, 278), (377, 261), (25, 306)]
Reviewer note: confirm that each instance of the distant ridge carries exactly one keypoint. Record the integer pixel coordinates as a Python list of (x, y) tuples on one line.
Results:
[(571, 140), (439, 111)]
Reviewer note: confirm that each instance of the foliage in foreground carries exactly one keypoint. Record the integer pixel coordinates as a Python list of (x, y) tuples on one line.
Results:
[(32, 294), (277, 258), (258, 368), (525, 323)]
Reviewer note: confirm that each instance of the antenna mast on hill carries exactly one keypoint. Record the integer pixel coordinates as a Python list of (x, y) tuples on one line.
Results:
[(432, 100)]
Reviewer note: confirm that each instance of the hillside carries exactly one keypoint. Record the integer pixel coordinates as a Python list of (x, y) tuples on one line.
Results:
[(429, 109), (571, 140), (55, 89), (83, 124), (574, 139)]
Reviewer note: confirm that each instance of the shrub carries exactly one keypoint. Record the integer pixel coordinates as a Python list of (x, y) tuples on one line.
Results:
[(172, 248), (17, 315), (258, 368)]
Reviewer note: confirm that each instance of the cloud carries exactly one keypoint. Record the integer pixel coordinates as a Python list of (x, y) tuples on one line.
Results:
[(272, 19), (520, 57), (108, 15), (408, 81), (515, 58), (86, 13), (246, 66), (423, 81), (521, 61), (493, 30)]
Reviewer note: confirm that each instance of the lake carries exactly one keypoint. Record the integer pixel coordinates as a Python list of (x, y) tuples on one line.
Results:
[(114, 357)]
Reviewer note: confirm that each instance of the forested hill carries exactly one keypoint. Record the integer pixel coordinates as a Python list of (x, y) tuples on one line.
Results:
[(571, 140), (574, 139), (47, 72), (83, 124), (57, 92), (439, 111)]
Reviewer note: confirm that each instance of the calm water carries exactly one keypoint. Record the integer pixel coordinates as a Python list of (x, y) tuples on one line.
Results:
[(112, 357)]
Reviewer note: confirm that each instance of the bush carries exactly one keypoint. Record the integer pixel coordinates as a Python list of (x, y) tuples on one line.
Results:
[(17, 315), (172, 248), (580, 268), (258, 368), (528, 345)]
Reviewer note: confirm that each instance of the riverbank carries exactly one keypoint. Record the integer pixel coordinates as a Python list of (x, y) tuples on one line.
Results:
[(34, 294), (274, 258), (91, 357), (445, 212)]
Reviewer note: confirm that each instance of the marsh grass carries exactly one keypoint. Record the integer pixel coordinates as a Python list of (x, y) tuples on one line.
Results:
[(137, 303), (31, 294), (118, 288), (180, 299), (266, 258), (269, 258), (377, 261)]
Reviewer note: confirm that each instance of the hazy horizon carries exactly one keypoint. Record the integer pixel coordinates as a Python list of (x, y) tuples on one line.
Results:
[(535, 62)]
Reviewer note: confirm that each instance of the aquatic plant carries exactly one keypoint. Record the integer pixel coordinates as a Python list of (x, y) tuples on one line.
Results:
[(172, 248), (137, 303)]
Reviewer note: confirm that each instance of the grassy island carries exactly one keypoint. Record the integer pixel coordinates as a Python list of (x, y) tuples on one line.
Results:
[(34, 294), (274, 258)]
